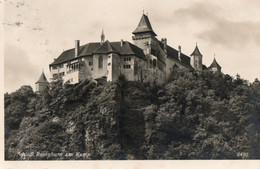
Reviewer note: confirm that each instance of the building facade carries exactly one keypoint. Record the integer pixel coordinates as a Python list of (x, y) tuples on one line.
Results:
[(146, 60)]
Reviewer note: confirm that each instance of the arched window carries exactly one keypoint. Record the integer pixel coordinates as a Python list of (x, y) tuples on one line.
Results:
[(154, 63), (100, 62)]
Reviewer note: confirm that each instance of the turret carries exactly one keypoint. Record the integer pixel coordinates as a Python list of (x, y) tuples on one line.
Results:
[(42, 83), (215, 67), (144, 34), (144, 27), (196, 59)]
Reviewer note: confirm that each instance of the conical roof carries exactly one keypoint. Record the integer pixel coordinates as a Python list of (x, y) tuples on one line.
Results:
[(214, 64), (42, 79), (144, 26), (196, 51), (105, 48)]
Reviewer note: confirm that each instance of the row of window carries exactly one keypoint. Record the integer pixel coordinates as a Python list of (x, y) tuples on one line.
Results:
[(56, 66), (100, 63), (127, 66), (75, 66), (55, 75), (127, 58)]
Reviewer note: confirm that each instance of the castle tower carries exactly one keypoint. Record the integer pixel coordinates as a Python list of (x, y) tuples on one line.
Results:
[(102, 37), (215, 67), (42, 83), (144, 35), (196, 59)]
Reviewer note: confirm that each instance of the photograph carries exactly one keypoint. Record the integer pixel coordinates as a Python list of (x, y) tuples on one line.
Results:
[(139, 80)]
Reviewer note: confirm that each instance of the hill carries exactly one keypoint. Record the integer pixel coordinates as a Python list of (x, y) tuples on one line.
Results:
[(193, 116)]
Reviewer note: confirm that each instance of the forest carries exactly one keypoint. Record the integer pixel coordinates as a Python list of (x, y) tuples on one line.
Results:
[(193, 116)]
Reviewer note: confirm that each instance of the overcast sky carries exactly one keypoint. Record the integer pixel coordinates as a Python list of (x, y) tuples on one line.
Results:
[(36, 32)]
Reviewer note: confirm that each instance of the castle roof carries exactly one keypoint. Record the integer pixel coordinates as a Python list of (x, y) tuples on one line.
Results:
[(42, 79), (173, 53), (144, 26), (107, 47), (215, 64), (196, 51)]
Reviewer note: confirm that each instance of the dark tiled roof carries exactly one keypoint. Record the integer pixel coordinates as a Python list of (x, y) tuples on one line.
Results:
[(196, 51), (173, 53), (42, 79), (67, 55), (107, 47), (144, 26), (214, 64), (89, 48), (137, 51)]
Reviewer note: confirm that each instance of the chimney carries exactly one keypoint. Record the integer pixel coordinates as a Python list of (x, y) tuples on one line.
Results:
[(76, 48), (164, 41), (179, 53), (122, 42)]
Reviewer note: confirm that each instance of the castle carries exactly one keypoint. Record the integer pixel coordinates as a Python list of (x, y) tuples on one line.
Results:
[(146, 60)]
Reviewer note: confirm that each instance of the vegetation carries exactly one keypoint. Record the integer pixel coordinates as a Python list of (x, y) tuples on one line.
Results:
[(193, 116)]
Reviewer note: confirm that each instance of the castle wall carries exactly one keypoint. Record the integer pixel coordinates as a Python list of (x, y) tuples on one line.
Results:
[(116, 66), (113, 67), (71, 77), (40, 86), (88, 65), (139, 64), (97, 71), (128, 72), (161, 77), (170, 62)]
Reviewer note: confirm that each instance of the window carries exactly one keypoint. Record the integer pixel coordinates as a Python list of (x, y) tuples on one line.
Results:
[(109, 64), (100, 62), (54, 67), (154, 63), (109, 56), (127, 66), (127, 58), (90, 63)]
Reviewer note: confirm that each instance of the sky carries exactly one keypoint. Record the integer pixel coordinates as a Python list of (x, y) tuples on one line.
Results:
[(36, 32)]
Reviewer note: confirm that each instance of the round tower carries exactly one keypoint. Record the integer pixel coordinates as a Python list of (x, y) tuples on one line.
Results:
[(42, 83), (196, 59)]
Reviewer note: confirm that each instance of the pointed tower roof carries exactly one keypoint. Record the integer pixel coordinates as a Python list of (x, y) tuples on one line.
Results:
[(105, 48), (196, 51), (42, 79), (214, 64), (144, 26)]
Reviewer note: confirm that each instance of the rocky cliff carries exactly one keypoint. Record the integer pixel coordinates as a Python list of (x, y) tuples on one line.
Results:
[(206, 116)]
